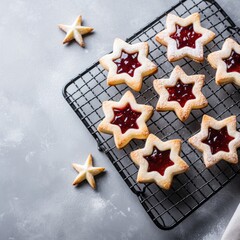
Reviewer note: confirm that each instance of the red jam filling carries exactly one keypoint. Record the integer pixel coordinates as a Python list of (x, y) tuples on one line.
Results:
[(125, 118), (181, 93), (185, 36), (233, 62), (159, 161), (218, 140), (127, 63)]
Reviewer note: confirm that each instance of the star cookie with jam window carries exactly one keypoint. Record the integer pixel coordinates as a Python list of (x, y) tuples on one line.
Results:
[(159, 161), (180, 93), (87, 172), (75, 31), (217, 140), (184, 37), (128, 64), (227, 63), (125, 119)]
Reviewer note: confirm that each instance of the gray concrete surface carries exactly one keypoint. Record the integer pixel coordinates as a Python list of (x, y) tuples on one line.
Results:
[(40, 136)]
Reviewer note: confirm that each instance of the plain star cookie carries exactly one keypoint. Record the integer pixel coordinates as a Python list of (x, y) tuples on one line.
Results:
[(217, 140), (184, 37), (75, 31), (159, 161), (87, 171), (128, 64), (125, 119), (227, 63), (180, 93)]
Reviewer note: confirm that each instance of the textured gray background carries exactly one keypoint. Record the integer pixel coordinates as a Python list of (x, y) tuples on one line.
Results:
[(40, 136)]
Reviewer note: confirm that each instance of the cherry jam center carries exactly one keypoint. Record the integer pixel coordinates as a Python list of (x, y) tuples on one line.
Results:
[(185, 36), (127, 63), (125, 118), (159, 161), (233, 62), (218, 140), (181, 93)]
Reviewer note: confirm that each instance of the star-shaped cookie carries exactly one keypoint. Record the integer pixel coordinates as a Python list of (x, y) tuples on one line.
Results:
[(217, 140), (128, 64), (227, 62), (159, 161), (184, 37), (87, 171), (180, 93), (125, 119), (75, 31)]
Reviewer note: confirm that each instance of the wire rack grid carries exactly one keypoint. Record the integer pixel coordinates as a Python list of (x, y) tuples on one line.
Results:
[(190, 190)]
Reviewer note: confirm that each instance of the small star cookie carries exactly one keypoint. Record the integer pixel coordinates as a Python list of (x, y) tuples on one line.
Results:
[(128, 64), (184, 37), (87, 171), (75, 31), (159, 161), (125, 119), (180, 93), (227, 62), (217, 140)]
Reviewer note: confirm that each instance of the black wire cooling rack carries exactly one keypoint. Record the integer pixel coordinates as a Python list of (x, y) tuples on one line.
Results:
[(190, 190)]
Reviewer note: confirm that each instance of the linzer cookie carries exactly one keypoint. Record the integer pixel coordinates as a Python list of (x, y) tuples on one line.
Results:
[(180, 93), (217, 140), (184, 37), (125, 119), (227, 63), (159, 161), (128, 64)]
